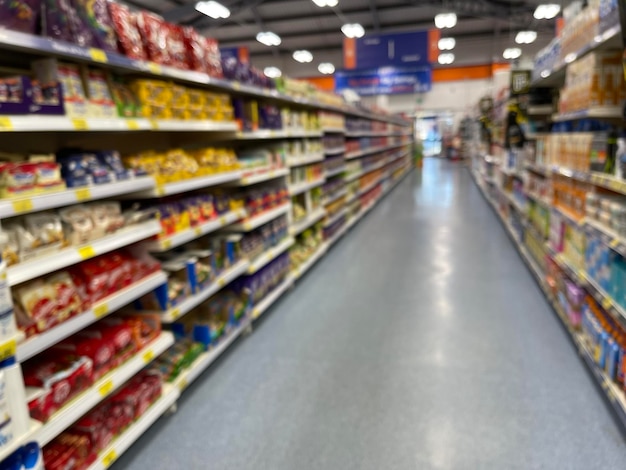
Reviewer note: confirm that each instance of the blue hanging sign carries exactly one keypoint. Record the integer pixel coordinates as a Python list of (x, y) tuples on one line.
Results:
[(385, 80), (379, 50)]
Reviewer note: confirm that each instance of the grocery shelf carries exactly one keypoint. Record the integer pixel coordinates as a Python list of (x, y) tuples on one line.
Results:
[(610, 237), (272, 297), (335, 217), (39, 202), (40, 342), (376, 134), (369, 187), (340, 233), (538, 168), (370, 151), (260, 219), (110, 454), (65, 257), (264, 134), (540, 110), (177, 125), (264, 176), (566, 215), (334, 151), (178, 239), (300, 188), (540, 200), (185, 186), (333, 197), (601, 112), (334, 130), (335, 172), (608, 182), (207, 358), (298, 272), (603, 298), (193, 301), (365, 171), (103, 388), (310, 219), (270, 255), (19, 441), (514, 202), (305, 159)]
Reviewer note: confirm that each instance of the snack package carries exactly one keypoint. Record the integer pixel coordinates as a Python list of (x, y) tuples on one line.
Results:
[(195, 50), (73, 91), (154, 34), (212, 58), (20, 15), (69, 451), (41, 234), (100, 102), (175, 45), (123, 97), (94, 15), (129, 40), (78, 225), (56, 21), (17, 179)]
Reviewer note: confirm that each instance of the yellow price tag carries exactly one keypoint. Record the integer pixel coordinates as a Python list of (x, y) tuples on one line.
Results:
[(109, 458), (221, 282), (606, 303), (614, 243), (175, 314), (7, 350), (82, 194), (182, 385), (223, 221), (6, 124), (98, 55), (155, 68), (100, 310), (198, 231), (80, 124), (105, 388), (166, 244), (148, 356), (86, 252), (154, 124), (160, 190), (236, 86), (22, 205), (132, 124)]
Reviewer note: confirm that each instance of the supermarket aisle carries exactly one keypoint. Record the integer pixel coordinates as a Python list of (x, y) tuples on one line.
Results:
[(420, 342)]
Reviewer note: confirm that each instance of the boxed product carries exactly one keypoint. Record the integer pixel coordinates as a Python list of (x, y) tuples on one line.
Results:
[(177, 358)]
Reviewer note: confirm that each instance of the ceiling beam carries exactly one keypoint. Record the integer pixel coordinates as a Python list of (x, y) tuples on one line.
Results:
[(375, 17)]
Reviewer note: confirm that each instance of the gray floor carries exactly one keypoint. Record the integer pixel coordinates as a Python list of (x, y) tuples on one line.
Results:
[(420, 342)]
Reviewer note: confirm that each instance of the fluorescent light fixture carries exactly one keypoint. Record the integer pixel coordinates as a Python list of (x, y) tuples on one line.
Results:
[(272, 72), (326, 68), (213, 9), (353, 30), (526, 37), (545, 74), (326, 3), (302, 56), (512, 53), (547, 11), (445, 20), (268, 38), (445, 59), (446, 44)]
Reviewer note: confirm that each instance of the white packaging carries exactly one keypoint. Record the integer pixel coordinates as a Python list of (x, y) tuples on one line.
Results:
[(7, 318), (7, 433), (16, 398)]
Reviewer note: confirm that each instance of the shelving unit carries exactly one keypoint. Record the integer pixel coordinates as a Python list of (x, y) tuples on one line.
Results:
[(261, 219)]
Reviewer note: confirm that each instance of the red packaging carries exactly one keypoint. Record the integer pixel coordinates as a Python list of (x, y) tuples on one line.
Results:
[(177, 54), (93, 427), (61, 377), (144, 327), (195, 50), (140, 393), (213, 58), (154, 33), (128, 38)]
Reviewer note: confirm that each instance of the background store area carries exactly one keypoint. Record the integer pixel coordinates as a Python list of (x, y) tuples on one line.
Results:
[(170, 169)]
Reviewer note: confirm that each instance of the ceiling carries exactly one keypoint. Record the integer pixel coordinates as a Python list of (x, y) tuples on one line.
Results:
[(485, 27)]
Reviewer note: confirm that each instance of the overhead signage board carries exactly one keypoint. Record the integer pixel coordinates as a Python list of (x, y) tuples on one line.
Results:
[(385, 80), (380, 50)]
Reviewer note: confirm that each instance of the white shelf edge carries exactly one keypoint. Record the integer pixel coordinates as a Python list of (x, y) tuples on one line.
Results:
[(268, 134), (178, 239), (26, 204), (65, 257), (187, 185), (334, 151), (272, 297), (335, 172), (300, 271), (218, 284), (104, 387), (261, 219), (334, 197), (306, 160), (368, 188), (311, 219), (265, 176), (38, 343), (306, 186), (334, 130), (270, 255), (334, 218)]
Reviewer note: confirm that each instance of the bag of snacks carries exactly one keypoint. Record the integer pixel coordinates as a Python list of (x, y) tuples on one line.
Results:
[(129, 40)]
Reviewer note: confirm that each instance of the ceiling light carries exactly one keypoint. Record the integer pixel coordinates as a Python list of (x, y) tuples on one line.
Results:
[(272, 72), (512, 53), (445, 59), (353, 30), (446, 44), (326, 3), (547, 11), (326, 68), (526, 37), (213, 9), (302, 56), (445, 20), (268, 38)]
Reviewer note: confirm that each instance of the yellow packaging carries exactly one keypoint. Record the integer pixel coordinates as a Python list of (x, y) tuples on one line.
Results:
[(197, 98), (180, 98)]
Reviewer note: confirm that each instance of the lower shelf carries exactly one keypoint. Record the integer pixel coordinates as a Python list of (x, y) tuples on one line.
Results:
[(272, 297)]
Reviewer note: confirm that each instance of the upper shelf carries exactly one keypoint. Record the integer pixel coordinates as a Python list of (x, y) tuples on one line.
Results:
[(37, 46), (610, 39)]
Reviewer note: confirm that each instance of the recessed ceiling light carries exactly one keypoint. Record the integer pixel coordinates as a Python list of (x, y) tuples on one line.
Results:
[(512, 53), (213, 9), (302, 56), (268, 38), (272, 72), (445, 59), (326, 68), (353, 30), (445, 20), (326, 3), (446, 44), (526, 37), (547, 11)]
